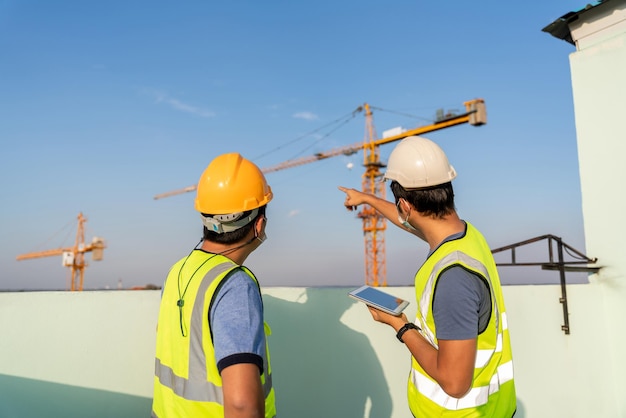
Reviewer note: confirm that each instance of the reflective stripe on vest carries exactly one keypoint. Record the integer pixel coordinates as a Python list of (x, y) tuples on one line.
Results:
[(475, 397), (201, 391), (197, 387)]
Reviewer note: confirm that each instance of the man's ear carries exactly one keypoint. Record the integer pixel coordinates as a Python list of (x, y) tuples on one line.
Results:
[(403, 205), (406, 205), (258, 224)]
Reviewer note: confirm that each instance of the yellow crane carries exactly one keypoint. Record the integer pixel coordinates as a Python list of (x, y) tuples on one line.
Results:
[(374, 224), (74, 257)]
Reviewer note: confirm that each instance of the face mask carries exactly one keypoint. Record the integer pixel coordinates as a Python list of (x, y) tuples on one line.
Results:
[(406, 223)]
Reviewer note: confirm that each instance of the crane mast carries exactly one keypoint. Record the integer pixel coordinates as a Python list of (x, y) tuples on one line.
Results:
[(374, 224)]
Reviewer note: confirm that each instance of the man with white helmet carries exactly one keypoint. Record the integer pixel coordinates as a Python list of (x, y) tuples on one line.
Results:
[(461, 358), (212, 358)]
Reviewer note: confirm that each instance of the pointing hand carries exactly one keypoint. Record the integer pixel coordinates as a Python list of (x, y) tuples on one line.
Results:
[(353, 198)]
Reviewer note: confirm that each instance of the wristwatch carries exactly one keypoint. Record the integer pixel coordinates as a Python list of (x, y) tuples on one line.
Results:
[(405, 328)]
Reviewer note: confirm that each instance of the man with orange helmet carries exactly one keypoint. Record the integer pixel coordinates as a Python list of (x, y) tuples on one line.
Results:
[(212, 357), (461, 358)]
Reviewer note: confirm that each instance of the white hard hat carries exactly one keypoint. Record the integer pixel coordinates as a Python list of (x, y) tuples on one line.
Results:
[(417, 162)]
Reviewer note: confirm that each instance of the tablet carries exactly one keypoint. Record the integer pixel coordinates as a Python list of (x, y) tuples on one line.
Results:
[(379, 300)]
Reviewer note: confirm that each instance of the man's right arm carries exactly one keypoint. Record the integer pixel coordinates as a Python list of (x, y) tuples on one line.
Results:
[(386, 208)]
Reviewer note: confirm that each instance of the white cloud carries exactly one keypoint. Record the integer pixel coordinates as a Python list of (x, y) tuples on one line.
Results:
[(293, 213), (306, 116), (182, 106)]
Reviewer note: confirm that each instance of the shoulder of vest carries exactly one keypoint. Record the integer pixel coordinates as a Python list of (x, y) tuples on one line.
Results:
[(229, 273)]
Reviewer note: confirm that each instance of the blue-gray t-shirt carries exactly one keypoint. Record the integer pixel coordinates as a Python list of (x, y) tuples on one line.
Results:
[(236, 319), (461, 303)]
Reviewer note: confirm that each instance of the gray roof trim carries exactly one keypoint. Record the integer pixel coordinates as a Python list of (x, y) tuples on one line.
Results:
[(560, 27)]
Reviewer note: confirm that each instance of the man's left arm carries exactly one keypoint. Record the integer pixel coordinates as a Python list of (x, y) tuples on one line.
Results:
[(459, 299), (243, 393), (452, 365), (236, 319)]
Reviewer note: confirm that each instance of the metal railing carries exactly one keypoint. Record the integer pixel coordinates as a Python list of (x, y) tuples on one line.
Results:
[(580, 263)]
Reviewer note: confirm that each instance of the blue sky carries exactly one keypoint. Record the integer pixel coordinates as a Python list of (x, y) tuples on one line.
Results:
[(105, 105)]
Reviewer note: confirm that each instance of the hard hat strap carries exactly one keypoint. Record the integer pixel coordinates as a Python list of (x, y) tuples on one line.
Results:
[(228, 222)]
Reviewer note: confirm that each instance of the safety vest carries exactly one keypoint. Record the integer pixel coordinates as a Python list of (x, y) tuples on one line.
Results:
[(187, 382), (492, 393)]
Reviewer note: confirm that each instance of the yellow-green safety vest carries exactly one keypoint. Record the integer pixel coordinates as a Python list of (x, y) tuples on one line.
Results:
[(492, 393), (187, 382)]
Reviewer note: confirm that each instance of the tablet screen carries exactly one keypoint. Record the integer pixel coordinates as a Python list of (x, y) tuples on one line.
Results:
[(378, 298)]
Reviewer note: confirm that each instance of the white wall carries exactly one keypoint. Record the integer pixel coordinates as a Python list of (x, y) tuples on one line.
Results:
[(97, 340), (598, 70), (329, 357)]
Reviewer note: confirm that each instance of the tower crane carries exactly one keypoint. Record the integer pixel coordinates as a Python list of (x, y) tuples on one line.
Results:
[(74, 257), (374, 224)]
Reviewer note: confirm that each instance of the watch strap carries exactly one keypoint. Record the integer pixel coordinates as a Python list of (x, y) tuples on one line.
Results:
[(405, 328)]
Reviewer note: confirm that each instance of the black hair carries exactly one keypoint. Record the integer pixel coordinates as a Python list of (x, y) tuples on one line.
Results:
[(235, 236), (435, 201)]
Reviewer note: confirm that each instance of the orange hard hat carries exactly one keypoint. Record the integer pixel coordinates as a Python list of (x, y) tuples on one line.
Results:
[(231, 184)]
